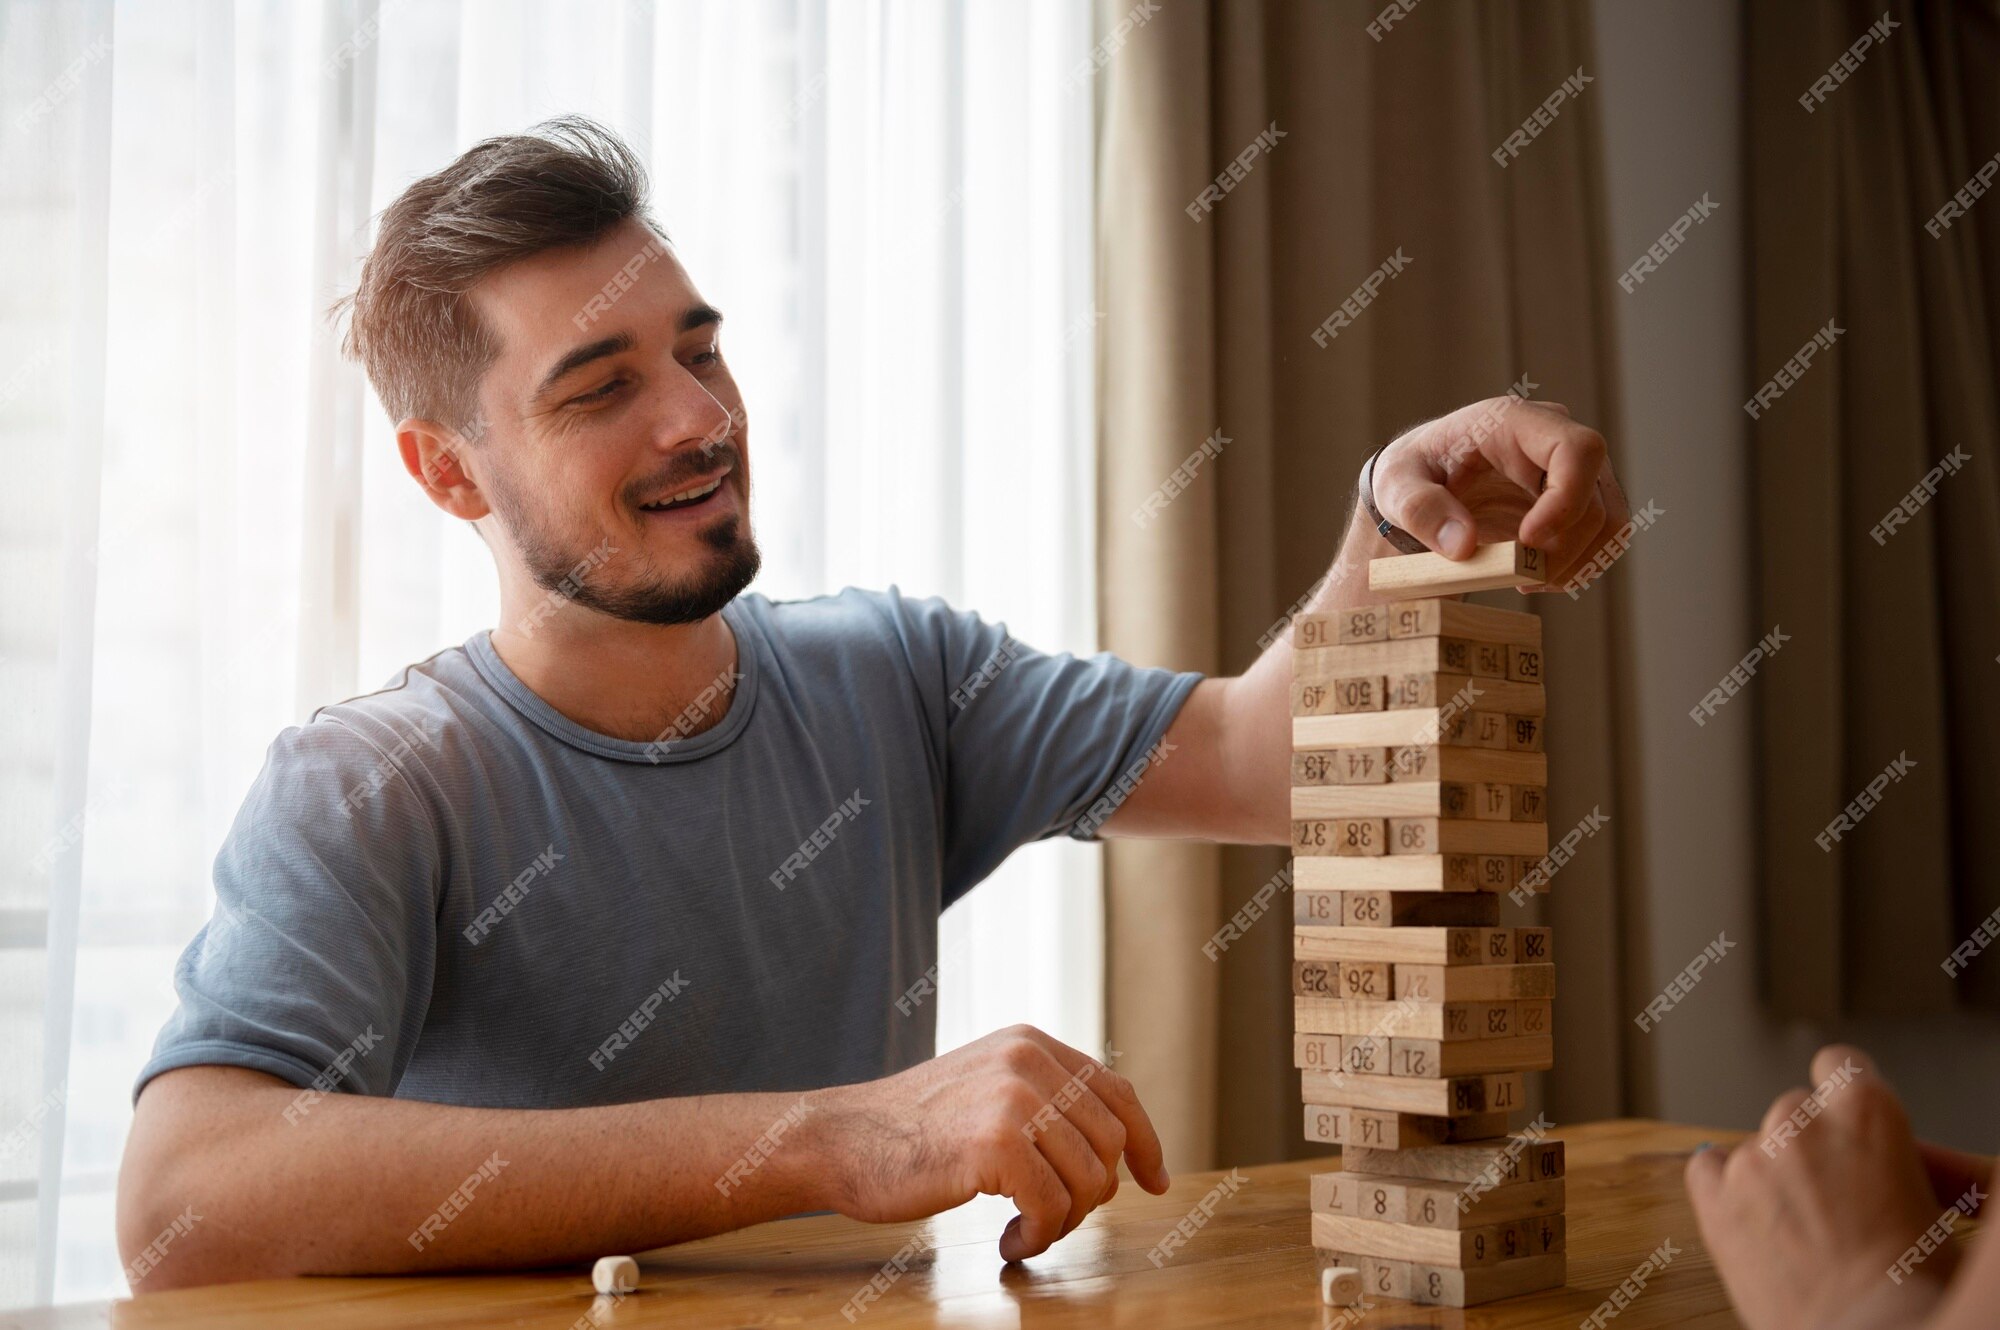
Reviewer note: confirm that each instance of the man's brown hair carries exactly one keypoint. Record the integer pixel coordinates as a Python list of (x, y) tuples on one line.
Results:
[(563, 183)]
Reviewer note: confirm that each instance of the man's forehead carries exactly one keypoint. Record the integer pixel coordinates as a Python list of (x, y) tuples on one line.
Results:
[(547, 302)]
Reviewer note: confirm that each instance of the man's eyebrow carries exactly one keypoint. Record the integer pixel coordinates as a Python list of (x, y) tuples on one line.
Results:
[(578, 357), (699, 316)]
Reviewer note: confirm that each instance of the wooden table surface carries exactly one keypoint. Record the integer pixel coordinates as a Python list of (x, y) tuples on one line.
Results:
[(1252, 1264)]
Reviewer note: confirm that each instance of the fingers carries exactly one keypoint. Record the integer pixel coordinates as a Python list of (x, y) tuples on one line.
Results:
[(1083, 1174), (1781, 1108), (1141, 1147), (1704, 1177), (1411, 494), (1030, 1181)]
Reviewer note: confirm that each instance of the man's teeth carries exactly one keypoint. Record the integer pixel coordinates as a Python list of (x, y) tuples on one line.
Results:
[(686, 496)]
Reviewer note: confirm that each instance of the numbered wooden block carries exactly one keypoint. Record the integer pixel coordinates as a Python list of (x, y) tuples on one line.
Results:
[(1487, 693), (1348, 1127), (1471, 1057), (1524, 734), (1503, 564), (1405, 946), (1362, 623), (1403, 872), (1469, 983), (1534, 944), (1402, 909), (1352, 1017), (1527, 803), (1524, 663), (1534, 1016), (1321, 1052), (1437, 835), (1452, 1248), (1431, 655), (1340, 766), (1451, 725), (1438, 1286), (1443, 762), (1312, 905), (1452, 1097), (1457, 799), (1352, 837), (1316, 979), (1366, 981), (1505, 1159), (1365, 693), (1456, 618)]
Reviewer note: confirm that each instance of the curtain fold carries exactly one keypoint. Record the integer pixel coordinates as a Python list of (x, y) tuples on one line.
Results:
[(1896, 621), (1386, 149)]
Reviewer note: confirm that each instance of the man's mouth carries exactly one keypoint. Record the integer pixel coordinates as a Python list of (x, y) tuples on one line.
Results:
[(682, 500)]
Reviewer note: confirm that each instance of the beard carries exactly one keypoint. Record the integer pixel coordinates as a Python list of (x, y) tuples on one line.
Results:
[(561, 565)]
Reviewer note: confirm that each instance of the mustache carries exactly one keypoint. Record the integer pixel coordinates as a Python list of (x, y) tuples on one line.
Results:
[(690, 467)]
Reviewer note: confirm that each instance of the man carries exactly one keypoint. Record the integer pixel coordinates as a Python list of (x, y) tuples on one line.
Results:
[(588, 936)]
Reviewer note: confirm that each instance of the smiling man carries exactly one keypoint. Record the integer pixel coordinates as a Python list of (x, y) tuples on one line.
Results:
[(588, 935)]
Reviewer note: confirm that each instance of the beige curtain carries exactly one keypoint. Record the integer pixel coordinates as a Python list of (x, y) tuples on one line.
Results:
[(1207, 328), (1894, 641)]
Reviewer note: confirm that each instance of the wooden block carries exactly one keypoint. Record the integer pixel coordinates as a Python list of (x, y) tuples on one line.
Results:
[(1419, 726), (1470, 1057), (1459, 799), (1405, 946), (1366, 981), (1316, 905), (1345, 696), (1524, 663), (1358, 1196), (1458, 1206), (1440, 1286), (1527, 803), (1489, 660), (1348, 766), (1384, 1279), (1316, 979), (1453, 1248), (1534, 1016), (1455, 618), (1403, 872), (1524, 734), (1503, 564), (1491, 802), (1442, 762), (1473, 983), (1318, 1051), (1444, 1097), (1448, 1021), (1402, 909), (1430, 655), (1419, 688), (1360, 623), (1500, 1161), (1532, 945), (1347, 1127), (1347, 837), (1477, 729), (1443, 835), (1340, 1286), (1360, 1055), (1527, 878)]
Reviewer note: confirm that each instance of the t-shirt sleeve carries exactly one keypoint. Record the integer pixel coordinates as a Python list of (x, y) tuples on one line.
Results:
[(1035, 745), (317, 962)]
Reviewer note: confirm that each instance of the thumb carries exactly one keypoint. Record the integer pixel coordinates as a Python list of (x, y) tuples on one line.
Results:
[(1411, 499)]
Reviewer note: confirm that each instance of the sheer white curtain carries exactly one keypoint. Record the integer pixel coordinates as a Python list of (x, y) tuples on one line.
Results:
[(204, 530)]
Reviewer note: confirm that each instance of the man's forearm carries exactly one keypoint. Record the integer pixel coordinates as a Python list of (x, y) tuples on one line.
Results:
[(369, 1185)]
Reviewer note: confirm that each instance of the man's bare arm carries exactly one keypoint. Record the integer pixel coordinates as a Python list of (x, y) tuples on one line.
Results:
[(1498, 470), (365, 1185)]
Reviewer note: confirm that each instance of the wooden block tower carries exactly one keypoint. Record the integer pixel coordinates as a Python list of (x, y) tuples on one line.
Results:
[(1419, 799)]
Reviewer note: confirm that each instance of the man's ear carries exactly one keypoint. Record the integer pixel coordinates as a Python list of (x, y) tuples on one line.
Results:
[(435, 455)]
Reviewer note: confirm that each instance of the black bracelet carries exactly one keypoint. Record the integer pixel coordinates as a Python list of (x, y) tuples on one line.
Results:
[(1384, 528)]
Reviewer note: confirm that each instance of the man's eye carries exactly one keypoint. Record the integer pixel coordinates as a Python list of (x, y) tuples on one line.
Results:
[(599, 394), (707, 357)]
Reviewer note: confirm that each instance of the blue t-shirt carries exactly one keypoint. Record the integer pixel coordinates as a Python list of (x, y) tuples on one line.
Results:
[(447, 891)]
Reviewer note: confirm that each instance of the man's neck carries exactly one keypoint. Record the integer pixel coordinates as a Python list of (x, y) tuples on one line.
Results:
[(634, 681)]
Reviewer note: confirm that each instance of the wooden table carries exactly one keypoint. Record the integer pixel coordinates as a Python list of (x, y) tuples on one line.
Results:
[(1252, 1264)]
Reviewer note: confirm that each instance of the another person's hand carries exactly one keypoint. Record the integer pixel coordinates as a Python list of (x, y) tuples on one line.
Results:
[(1014, 1114), (1503, 469), (1806, 1231)]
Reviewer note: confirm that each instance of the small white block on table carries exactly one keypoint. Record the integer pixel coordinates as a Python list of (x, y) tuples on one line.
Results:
[(1340, 1286), (615, 1274)]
